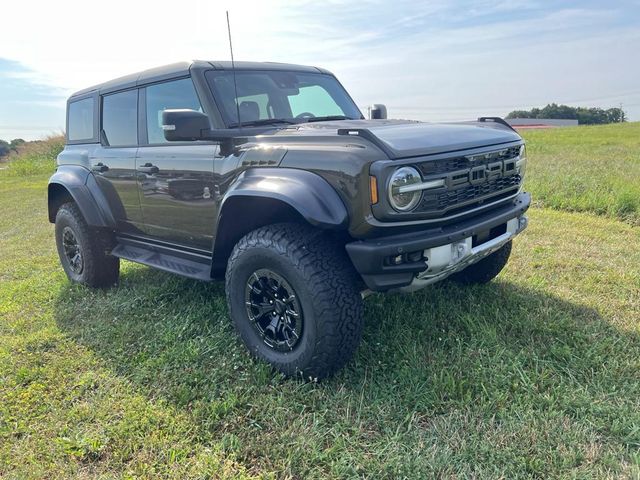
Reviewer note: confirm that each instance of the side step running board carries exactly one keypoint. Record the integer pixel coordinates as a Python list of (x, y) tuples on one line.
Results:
[(198, 267)]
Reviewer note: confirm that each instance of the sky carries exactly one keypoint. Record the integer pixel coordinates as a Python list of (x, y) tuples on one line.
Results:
[(426, 60)]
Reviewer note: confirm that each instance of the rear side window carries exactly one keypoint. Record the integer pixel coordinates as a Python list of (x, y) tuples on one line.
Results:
[(80, 121), (120, 118), (169, 95)]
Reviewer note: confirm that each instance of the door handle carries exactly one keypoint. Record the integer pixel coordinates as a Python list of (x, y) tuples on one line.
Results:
[(148, 168), (100, 167)]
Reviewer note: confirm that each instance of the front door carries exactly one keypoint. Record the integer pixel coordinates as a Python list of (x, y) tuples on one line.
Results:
[(175, 180), (113, 163)]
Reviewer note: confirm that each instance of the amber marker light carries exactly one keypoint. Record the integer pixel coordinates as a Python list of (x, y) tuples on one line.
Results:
[(373, 189)]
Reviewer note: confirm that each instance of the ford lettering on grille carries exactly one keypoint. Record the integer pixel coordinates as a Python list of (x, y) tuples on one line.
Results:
[(469, 181), (481, 173)]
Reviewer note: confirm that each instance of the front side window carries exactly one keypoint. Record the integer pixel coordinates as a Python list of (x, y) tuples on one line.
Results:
[(170, 95), (80, 123), (293, 97), (120, 118)]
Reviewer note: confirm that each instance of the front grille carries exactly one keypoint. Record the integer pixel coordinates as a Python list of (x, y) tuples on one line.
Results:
[(451, 198), (463, 190), (448, 165)]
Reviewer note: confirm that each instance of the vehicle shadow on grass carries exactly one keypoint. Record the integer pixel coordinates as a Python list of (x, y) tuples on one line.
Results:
[(491, 347)]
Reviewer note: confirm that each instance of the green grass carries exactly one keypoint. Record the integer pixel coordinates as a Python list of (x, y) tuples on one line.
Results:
[(35, 158), (533, 375), (587, 169)]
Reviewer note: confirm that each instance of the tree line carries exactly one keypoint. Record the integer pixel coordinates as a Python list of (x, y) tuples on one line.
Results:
[(585, 116), (7, 147)]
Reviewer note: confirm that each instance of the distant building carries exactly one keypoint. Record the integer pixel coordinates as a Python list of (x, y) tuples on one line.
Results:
[(540, 122)]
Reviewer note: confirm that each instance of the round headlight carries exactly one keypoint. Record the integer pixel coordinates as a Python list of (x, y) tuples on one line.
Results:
[(401, 196)]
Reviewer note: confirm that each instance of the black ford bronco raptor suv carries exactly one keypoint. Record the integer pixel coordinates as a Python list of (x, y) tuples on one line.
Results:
[(268, 175)]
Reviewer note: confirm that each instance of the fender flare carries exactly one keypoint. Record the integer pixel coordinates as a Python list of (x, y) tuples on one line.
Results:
[(306, 192), (81, 185)]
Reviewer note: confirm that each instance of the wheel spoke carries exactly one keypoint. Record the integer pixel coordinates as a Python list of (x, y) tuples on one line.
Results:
[(288, 333), (272, 327), (273, 286), (257, 285), (292, 332), (262, 308)]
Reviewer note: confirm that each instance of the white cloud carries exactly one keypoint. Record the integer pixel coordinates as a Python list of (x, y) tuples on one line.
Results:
[(429, 60)]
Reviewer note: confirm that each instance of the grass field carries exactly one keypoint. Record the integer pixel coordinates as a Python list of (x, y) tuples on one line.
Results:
[(587, 169), (33, 158), (534, 375)]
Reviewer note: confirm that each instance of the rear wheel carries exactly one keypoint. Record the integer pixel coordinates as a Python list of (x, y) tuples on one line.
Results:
[(294, 300), (486, 269), (82, 250)]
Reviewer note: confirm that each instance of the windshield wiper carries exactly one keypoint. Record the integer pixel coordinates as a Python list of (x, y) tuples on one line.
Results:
[(264, 121), (328, 118)]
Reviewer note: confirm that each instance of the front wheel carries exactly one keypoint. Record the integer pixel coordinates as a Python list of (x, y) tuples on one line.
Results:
[(294, 300)]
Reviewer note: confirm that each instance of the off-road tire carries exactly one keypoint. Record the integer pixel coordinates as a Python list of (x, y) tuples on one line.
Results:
[(324, 281), (486, 269), (99, 269)]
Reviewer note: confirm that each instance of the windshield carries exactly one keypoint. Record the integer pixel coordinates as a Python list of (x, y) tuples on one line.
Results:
[(272, 97)]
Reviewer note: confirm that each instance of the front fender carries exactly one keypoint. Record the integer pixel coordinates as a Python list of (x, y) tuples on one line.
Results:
[(81, 185), (309, 194)]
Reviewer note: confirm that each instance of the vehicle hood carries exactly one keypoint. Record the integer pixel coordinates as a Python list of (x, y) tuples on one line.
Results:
[(402, 138)]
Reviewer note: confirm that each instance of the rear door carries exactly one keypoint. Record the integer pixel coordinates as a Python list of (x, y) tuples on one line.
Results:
[(113, 162), (175, 180)]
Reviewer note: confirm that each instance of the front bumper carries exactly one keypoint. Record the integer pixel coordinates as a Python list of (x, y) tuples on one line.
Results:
[(444, 250)]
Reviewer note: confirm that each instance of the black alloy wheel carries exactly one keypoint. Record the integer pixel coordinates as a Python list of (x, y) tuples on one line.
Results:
[(274, 310), (72, 250)]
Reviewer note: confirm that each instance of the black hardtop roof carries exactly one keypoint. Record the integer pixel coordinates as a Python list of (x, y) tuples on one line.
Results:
[(166, 72)]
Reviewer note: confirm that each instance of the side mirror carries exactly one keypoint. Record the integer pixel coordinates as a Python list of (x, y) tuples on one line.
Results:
[(184, 125), (377, 111)]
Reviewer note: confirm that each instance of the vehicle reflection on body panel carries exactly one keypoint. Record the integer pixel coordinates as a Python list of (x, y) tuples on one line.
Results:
[(114, 170), (177, 196)]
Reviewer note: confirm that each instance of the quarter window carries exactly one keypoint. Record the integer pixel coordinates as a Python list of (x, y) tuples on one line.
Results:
[(120, 118), (80, 124), (169, 95)]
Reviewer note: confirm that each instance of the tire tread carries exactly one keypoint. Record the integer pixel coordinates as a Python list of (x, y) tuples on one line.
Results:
[(100, 269), (325, 265)]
